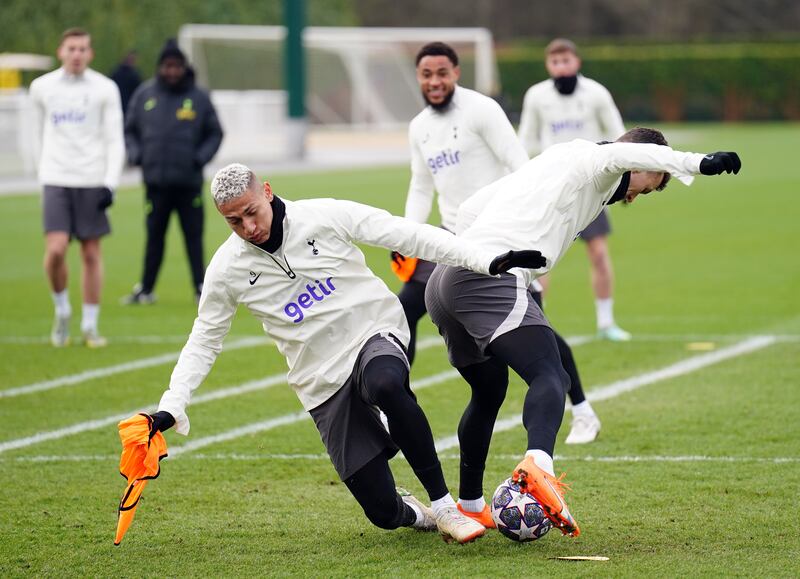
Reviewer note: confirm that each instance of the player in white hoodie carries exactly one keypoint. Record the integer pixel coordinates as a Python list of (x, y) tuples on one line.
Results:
[(571, 106), (295, 267), (78, 118), (491, 324)]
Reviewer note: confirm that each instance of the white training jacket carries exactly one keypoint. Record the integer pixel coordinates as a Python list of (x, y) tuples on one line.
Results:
[(548, 117), (557, 194), (456, 152), (78, 132), (315, 297)]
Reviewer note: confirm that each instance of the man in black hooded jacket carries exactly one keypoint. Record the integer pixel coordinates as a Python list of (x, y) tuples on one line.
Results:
[(172, 131)]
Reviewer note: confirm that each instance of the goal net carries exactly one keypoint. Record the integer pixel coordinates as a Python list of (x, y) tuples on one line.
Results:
[(356, 78)]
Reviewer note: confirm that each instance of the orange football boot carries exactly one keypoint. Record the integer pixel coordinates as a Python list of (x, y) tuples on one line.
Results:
[(484, 517), (549, 492)]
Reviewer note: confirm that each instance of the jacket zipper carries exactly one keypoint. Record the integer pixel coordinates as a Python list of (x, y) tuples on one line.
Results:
[(289, 272)]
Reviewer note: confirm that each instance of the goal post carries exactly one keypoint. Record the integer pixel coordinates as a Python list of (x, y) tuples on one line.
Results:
[(356, 78)]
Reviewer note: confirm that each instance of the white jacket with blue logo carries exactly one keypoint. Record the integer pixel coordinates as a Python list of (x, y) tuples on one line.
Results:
[(456, 152), (315, 296), (555, 195), (549, 117), (78, 129)]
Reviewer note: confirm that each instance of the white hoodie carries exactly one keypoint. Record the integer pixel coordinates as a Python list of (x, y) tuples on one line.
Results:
[(78, 129), (315, 296), (549, 117), (555, 195), (456, 152)]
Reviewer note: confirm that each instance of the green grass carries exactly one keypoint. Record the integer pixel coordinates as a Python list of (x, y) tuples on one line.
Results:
[(715, 262)]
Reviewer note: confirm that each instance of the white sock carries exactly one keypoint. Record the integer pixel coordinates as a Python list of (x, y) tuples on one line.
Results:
[(543, 460), (472, 505), (90, 313), (442, 503), (605, 312), (583, 409), (61, 301), (419, 514)]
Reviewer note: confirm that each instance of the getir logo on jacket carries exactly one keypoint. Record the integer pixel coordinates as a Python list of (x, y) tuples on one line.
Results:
[(307, 299)]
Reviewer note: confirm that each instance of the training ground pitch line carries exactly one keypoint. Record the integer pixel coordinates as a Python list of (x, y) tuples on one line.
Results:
[(602, 393), (228, 456), (619, 387), (72, 379), (219, 394)]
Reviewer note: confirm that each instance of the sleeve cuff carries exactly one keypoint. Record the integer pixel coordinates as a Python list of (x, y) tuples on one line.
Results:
[(181, 419)]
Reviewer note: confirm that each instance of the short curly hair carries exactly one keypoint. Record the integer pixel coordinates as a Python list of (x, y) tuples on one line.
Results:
[(231, 182)]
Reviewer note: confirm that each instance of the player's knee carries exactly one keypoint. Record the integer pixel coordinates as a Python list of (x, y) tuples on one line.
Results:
[(387, 386), (490, 398), (553, 377), (56, 253), (91, 259)]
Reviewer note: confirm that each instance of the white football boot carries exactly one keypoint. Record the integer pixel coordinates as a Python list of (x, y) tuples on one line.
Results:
[(92, 339), (59, 336), (428, 521), (455, 526), (584, 429), (614, 333)]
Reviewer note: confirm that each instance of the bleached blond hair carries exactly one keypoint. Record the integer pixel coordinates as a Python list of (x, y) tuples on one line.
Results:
[(231, 182)]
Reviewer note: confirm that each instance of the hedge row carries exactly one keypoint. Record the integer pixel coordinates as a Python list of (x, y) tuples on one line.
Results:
[(672, 83)]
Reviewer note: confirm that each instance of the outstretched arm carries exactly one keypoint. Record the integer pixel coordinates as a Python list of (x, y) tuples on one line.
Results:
[(365, 224), (617, 158), (213, 321)]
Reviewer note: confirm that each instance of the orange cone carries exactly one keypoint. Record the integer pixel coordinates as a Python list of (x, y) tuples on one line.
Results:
[(138, 463)]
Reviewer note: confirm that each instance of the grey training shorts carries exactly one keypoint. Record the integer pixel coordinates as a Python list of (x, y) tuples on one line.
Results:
[(471, 310), (75, 210), (600, 226), (349, 424)]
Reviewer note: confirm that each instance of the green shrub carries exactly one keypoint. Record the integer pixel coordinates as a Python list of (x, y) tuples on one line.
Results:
[(680, 82)]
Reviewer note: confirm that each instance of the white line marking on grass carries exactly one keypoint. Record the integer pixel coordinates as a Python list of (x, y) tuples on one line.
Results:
[(241, 431), (143, 339), (247, 387), (72, 379), (635, 382), (292, 418), (322, 456)]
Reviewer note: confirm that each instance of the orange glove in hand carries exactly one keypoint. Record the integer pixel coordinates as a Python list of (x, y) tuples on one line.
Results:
[(403, 267), (143, 446)]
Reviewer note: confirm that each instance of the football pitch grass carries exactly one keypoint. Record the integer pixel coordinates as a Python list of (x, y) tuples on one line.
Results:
[(696, 471)]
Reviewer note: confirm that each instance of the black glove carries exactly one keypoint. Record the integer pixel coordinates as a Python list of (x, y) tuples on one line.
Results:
[(720, 162), (398, 257), (527, 258), (162, 421), (106, 199)]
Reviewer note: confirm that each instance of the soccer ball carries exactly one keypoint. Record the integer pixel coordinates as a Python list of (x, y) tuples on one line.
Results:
[(518, 515)]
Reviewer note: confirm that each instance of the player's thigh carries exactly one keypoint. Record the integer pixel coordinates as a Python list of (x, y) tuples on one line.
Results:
[(91, 221), (57, 210)]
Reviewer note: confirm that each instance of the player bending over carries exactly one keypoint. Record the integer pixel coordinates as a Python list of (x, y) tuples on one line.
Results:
[(296, 268), (491, 324)]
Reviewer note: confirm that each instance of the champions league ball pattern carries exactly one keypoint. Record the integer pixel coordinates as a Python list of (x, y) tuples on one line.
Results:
[(518, 515)]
